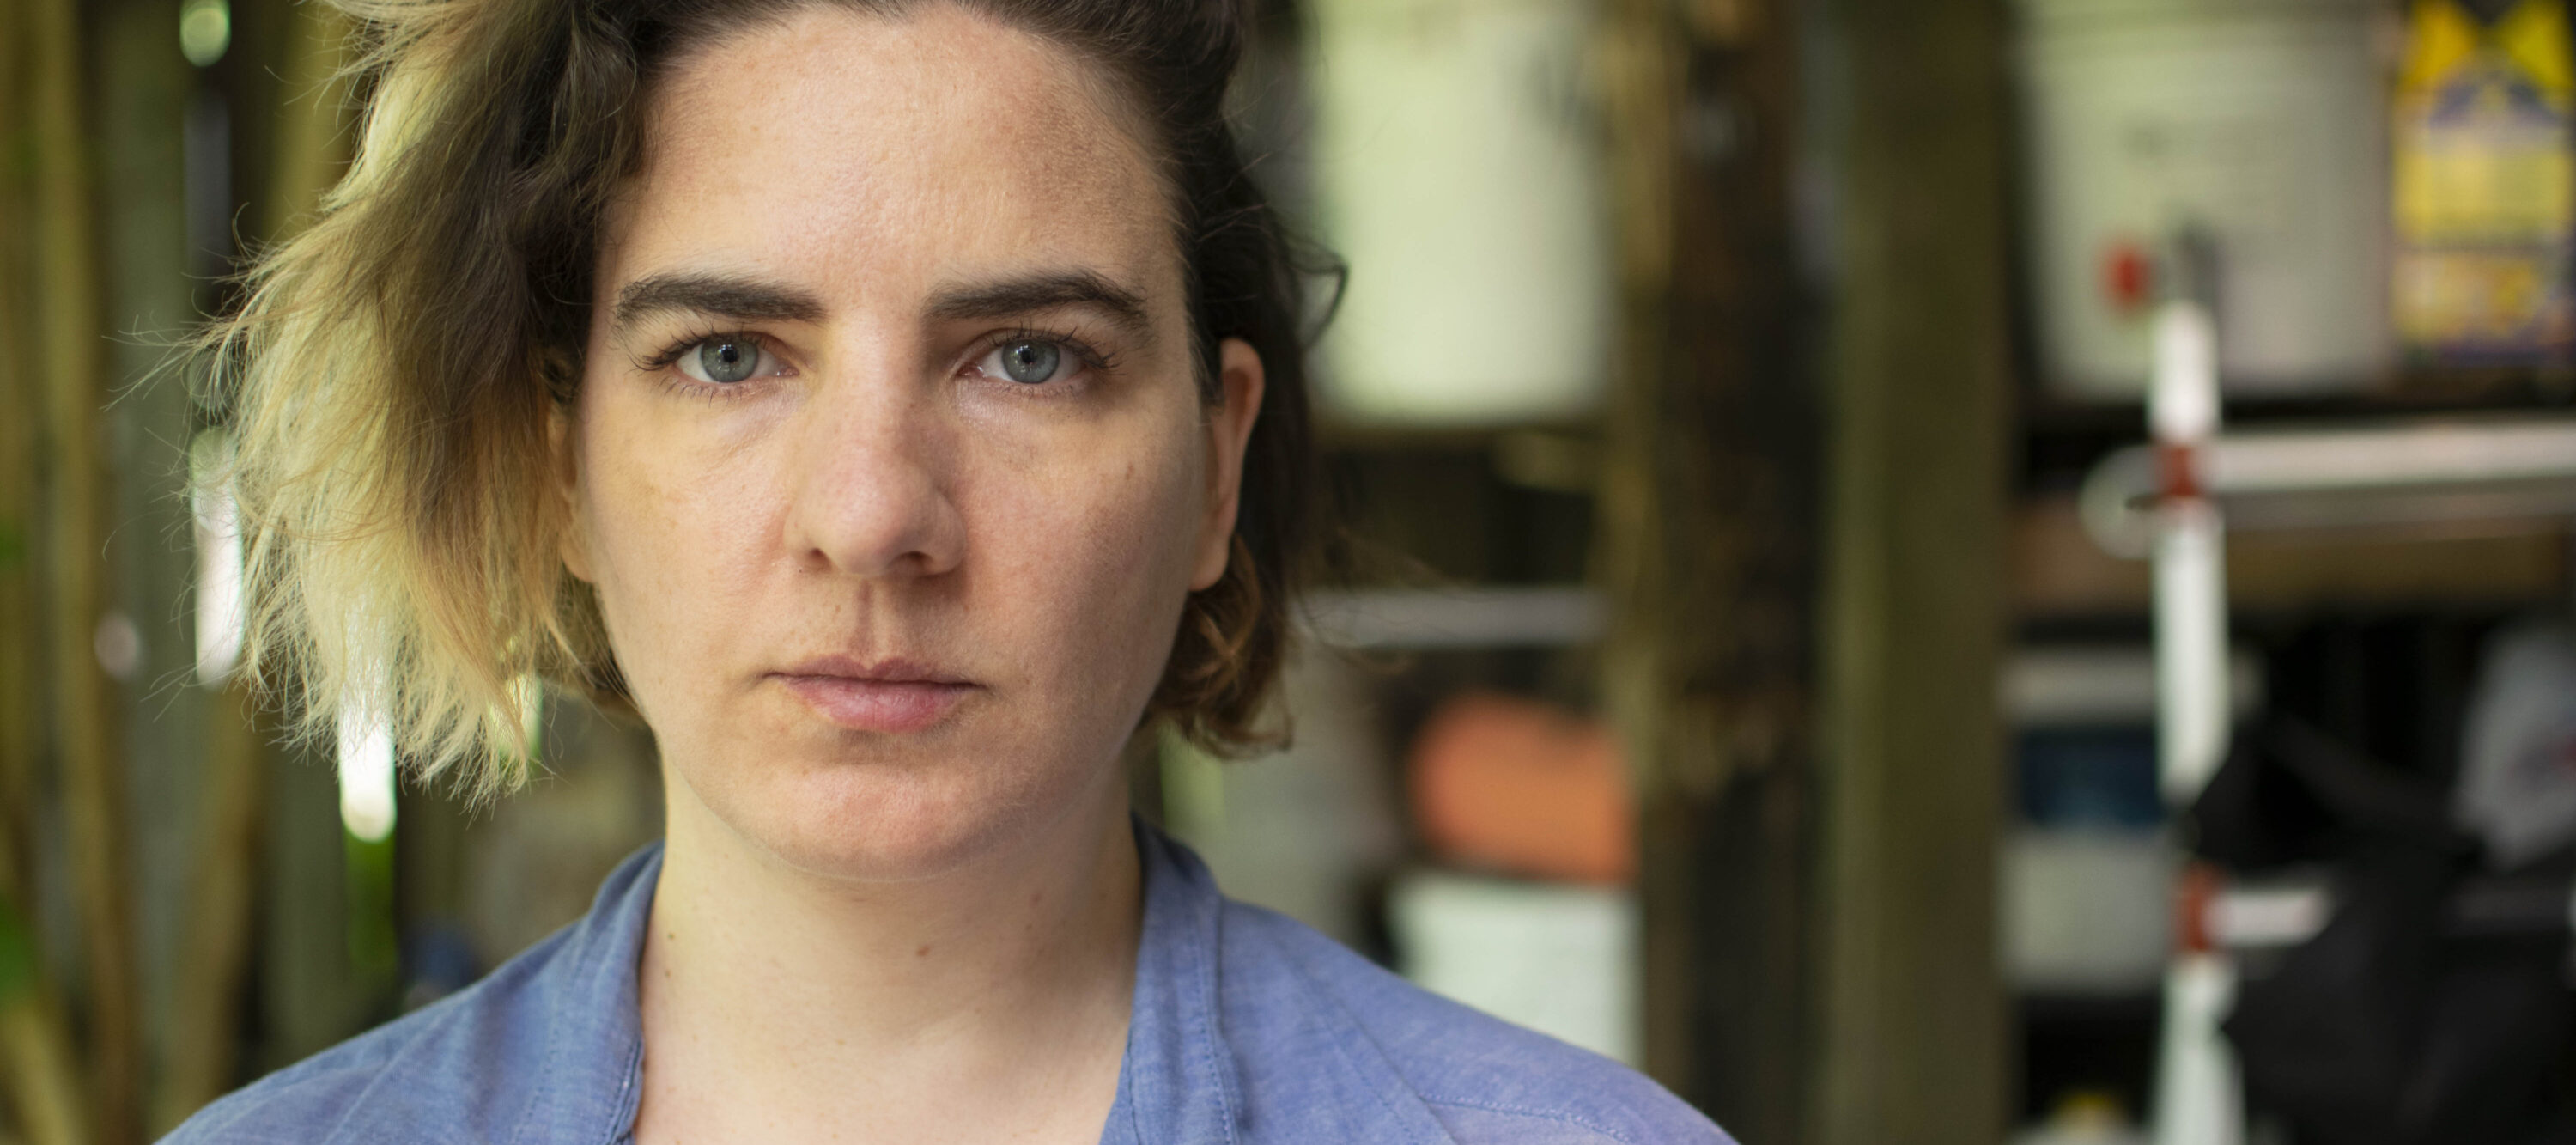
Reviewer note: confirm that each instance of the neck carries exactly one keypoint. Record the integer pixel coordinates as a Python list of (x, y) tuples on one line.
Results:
[(1001, 987)]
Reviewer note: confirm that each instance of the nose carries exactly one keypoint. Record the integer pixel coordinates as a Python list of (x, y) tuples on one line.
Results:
[(872, 491)]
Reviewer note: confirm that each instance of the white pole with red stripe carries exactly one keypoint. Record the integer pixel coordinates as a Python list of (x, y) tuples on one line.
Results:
[(2199, 1099)]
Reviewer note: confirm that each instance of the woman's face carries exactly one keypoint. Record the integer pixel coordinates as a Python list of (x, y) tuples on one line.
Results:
[(890, 464)]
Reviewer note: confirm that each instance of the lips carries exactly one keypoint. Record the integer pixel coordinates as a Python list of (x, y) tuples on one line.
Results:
[(887, 696)]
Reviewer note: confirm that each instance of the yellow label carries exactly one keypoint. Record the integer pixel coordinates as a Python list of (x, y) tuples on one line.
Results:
[(2462, 296), (2483, 181), (2484, 190)]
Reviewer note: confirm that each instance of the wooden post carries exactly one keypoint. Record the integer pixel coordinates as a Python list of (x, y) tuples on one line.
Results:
[(21, 724), (312, 995), (313, 124), (38, 1073), (44, 1080), (261, 803), (205, 1027), (1707, 552), (70, 341), (1913, 1013), (139, 107)]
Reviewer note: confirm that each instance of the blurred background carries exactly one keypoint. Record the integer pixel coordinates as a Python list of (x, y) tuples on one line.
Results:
[(1921, 570)]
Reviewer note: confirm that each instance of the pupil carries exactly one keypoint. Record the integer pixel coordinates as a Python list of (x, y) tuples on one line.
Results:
[(1030, 362), (726, 361)]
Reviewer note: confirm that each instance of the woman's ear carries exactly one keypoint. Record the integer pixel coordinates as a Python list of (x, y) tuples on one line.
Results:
[(1229, 430), (571, 538)]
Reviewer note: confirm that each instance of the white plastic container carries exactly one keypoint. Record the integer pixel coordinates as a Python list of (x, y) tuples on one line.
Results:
[(2264, 122), (2086, 911), (1559, 959), (1459, 170)]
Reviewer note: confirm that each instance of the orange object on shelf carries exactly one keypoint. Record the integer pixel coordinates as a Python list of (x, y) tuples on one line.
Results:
[(1525, 788)]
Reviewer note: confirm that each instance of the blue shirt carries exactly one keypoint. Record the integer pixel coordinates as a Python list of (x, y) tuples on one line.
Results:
[(1248, 1028)]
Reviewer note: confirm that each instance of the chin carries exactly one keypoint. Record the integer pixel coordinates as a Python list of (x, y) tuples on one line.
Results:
[(904, 822)]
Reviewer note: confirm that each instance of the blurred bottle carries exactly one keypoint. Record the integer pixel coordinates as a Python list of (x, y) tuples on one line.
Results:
[(2485, 185), (2517, 785), (1459, 168), (2257, 122), (2086, 875), (1523, 788), (1535, 918)]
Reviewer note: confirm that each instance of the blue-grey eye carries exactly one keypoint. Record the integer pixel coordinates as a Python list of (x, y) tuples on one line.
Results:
[(726, 359), (1030, 362)]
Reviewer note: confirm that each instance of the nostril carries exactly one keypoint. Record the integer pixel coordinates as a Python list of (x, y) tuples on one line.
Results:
[(885, 524)]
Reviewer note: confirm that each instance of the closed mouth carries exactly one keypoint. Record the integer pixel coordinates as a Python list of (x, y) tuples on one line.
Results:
[(893, 696)]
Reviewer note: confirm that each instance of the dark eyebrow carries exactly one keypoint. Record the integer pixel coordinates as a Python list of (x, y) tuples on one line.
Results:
[(1045, 291), (714, 294)]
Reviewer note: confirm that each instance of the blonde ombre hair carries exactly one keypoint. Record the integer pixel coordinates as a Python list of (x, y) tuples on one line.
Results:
[(396, 369)]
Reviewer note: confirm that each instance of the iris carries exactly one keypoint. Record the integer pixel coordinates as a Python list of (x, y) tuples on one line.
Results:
[(1030, 362), (728, 361)]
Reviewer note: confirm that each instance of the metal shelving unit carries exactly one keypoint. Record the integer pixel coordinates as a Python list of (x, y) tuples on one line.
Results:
[(2175, 501)]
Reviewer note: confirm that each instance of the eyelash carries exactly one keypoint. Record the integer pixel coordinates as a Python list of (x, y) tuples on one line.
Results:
[(666, 360)]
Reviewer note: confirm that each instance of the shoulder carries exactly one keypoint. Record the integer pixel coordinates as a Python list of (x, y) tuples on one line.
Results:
[(443, 1056), (544, 1048), (1484, 1079), (306, 1099)]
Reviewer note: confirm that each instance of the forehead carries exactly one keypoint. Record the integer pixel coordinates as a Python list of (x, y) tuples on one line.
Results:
[(837, 146)]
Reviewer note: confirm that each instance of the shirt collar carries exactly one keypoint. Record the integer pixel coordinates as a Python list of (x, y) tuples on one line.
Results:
[(1178, 1082), (593, 1072), (1233, 1038)]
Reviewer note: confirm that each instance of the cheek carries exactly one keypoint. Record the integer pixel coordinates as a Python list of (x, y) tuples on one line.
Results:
[(673, 523), (1097, 550)]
